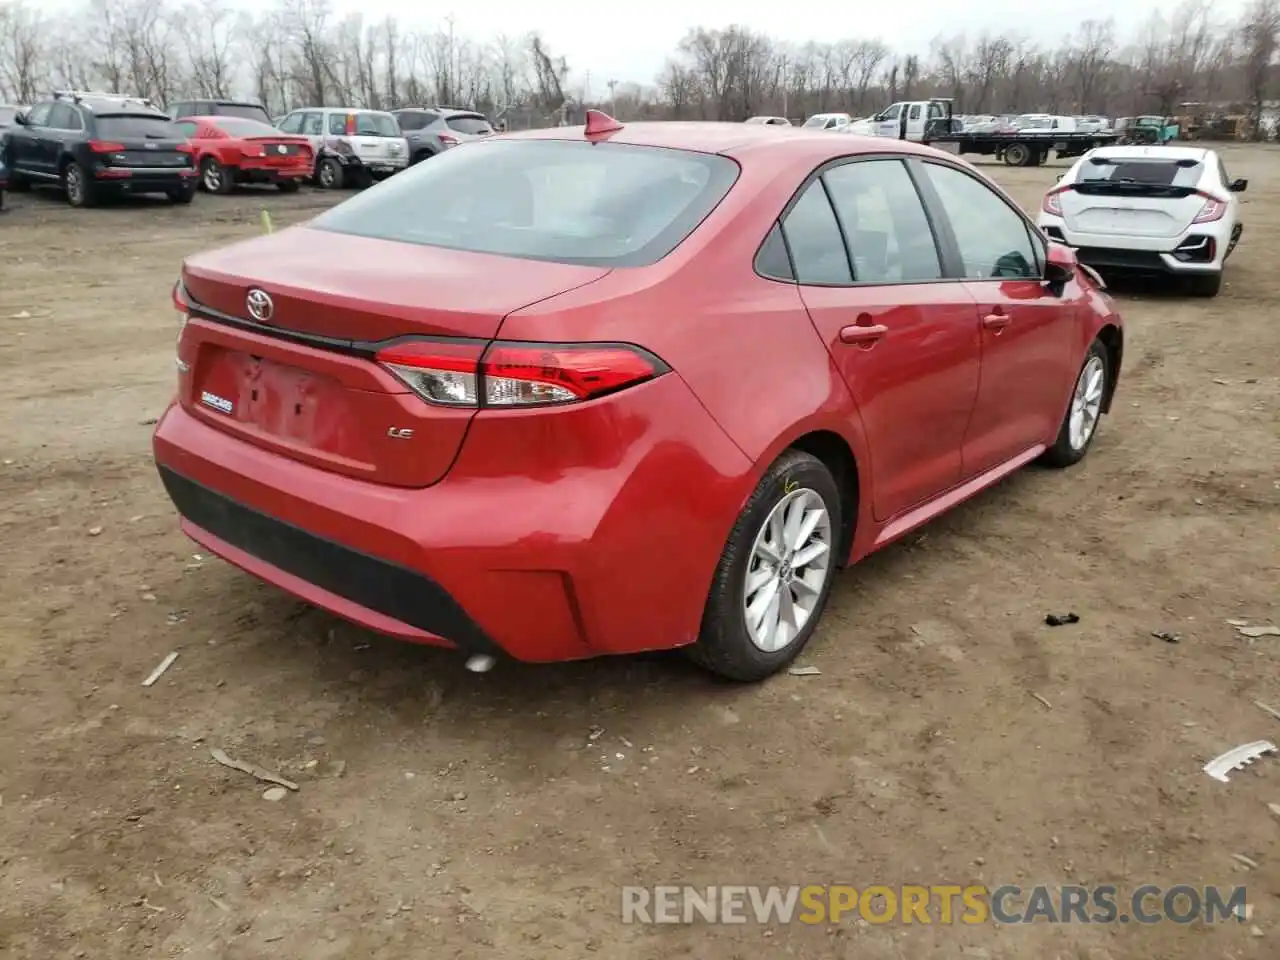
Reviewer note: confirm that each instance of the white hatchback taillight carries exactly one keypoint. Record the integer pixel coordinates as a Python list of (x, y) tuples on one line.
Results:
[(509, 374), (1052, 204), (1213, 209)]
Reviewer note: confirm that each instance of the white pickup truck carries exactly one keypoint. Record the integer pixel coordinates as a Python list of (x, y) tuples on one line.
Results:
[(906, 120)]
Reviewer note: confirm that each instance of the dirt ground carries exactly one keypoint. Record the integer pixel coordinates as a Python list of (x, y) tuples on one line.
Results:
[(443, 814)]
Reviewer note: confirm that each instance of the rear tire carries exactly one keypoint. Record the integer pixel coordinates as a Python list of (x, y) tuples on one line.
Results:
[(329, 174), (1017, 155), (184, 194), (80, 190), (288, 186), (1204, 285), (1084, 410), (216, 178), (745, 580)]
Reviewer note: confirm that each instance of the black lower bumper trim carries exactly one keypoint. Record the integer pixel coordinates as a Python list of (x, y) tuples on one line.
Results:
[(379, 585), (1119, 259)]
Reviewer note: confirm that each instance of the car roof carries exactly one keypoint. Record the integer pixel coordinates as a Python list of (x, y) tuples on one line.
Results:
[(736, 139)]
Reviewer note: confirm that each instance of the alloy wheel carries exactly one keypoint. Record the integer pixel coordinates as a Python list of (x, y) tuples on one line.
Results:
[(788, 569), (1086, 403)]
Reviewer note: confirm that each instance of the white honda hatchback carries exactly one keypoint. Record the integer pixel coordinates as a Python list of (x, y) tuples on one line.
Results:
[(1148, 209)]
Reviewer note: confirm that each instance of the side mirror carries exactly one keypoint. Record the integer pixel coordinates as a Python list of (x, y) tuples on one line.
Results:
[(1060, 264), (1239, 186), (20, 118)]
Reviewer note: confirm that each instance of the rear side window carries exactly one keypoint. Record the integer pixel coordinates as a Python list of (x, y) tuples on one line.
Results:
[(884, 222), (376, 125), (137, 127), (603, 204), (817, 249), (337, 124), (413, 119), (994, 240), (188, 127), (464, 123)]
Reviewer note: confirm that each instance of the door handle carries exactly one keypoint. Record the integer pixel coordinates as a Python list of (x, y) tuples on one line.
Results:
[(862, 333), (995, 321)]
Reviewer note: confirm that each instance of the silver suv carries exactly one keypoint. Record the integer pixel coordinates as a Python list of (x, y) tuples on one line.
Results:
[(352, 146), (429, 130)]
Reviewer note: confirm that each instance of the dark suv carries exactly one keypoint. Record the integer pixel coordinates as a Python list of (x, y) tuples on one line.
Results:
[(245, 109), (430, 130), (93, 144)]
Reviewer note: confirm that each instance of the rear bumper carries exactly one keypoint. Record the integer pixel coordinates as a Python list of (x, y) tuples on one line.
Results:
[(384, 595), (1137, 254), (596, 530), (152, 180), (270, 173)]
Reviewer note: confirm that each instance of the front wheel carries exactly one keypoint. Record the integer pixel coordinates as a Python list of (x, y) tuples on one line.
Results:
[(775, 572), (1084, 412)]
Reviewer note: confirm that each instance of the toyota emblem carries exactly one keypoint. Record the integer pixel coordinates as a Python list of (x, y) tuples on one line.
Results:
[(260, 305)]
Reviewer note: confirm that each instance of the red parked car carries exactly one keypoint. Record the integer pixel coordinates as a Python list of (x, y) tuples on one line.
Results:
[(574, 392), (233, 150)]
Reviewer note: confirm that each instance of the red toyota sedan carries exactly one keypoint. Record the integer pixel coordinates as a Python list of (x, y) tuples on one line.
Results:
[(600, 390)]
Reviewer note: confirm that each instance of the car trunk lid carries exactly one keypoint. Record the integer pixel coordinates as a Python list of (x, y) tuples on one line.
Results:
[(301, 381), (1136, 196)]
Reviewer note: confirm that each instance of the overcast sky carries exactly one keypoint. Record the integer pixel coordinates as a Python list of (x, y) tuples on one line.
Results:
[(629, 40)]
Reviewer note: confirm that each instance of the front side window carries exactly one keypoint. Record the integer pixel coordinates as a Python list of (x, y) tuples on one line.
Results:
[(39, 116), (893, 112), (291, 124), (994, 241), (565, 201), (884, 222), (812, 233), (915, 112)]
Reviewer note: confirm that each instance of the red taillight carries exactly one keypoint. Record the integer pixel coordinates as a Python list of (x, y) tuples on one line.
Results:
[(105, 146), (1213, 208), (185, 148), (180, 301), (1053, 201), (448, 141), (508, 374)]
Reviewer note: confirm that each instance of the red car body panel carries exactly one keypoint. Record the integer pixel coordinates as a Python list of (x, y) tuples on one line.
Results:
[(253, 157), (593, 527)]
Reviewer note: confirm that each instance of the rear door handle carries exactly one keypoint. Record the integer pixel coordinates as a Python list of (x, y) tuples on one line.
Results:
[(860, 333), (995, 321)]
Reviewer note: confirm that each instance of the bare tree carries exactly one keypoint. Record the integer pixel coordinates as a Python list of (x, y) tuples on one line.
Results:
[(22, 47), (1260, 29)]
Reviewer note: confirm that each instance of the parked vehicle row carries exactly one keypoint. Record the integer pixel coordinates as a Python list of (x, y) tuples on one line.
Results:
[(221, 142)]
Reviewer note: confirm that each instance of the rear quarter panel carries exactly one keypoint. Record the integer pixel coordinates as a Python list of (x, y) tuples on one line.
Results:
[(742, 343)]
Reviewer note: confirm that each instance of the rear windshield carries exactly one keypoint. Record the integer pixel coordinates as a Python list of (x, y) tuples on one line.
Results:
[(124, 126), (376, 125), (602, 204), (249, 111), (245, 128), (464, 123), (1161, 173)]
